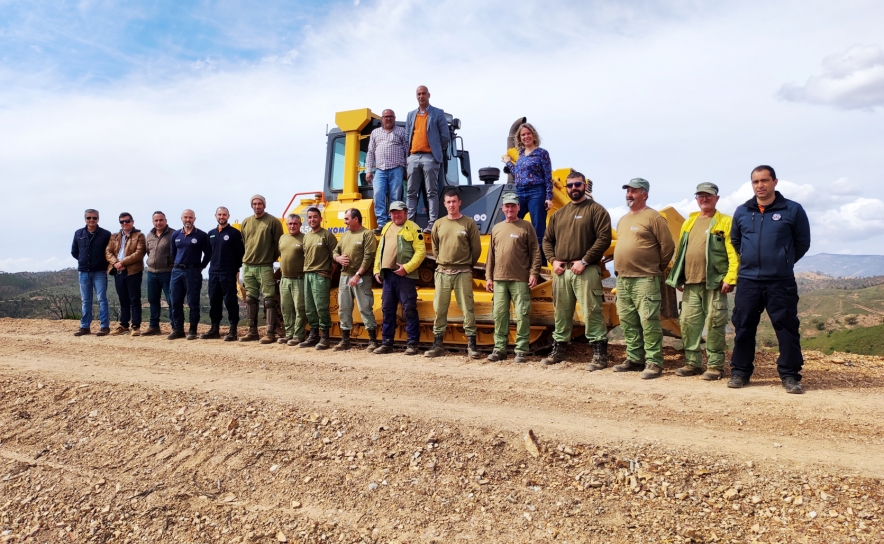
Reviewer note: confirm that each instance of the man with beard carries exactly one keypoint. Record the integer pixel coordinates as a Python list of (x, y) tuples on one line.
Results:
[(260, 233), (576, 238), (191, 253), (159, 270), (227, 253), (291, 285), (319, 246), (644, 248)]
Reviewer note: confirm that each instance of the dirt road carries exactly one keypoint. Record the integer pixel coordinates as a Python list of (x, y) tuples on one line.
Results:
[(116, 438)]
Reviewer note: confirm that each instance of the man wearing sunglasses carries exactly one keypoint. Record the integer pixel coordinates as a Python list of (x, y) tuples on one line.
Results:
[(88, 248), (644, 248), (576, 237), (125, 257)]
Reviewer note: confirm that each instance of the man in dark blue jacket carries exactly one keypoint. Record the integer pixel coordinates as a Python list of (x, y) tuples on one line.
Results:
[(88, 248), (227, 254), (771, 233), (191, 253)]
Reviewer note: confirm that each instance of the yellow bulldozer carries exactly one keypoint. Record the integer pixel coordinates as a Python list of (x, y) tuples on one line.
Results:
[(345, 187)]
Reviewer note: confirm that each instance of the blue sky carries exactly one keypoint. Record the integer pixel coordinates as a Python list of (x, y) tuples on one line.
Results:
[(137, 106)]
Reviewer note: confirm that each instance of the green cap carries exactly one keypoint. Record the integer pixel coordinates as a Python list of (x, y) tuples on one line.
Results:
[(707, 187), (510, 198), (638, 183), (398, 205)]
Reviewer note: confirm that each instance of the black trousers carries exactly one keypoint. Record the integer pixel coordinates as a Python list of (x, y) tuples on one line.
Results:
[(222, 289), (779, 298), (129, 291)]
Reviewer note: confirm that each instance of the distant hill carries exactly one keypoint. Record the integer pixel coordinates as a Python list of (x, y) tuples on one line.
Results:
[(847, 266)]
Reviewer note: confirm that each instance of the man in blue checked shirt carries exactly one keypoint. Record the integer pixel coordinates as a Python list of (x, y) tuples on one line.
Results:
[(385, 164), (191, 253)]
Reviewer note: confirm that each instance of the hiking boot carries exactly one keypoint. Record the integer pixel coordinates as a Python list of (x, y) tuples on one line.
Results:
[(135, 331), (271, 312), (312, 339), (252, 312), (176, 334), (651, 371), (410, 349), (521, 357), (152, 331), (269, 338), (599, 356), (497, 356), (231, 335), (556, 355), (211, 334), (82, 331), (103, 331), (629, 366), (437, 350), (737, 382), (372, 340), (120, 330), (689, 370), (344, 344), (791, 385), (284, 340), (295, 340), (382, 349), (192, 333), (323, 340), (472, 350), (712, 374)]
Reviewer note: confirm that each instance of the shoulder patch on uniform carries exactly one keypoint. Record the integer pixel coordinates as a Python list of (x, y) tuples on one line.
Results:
[(420, 236)]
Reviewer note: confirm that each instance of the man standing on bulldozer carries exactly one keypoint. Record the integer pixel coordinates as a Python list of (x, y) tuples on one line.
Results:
[(428, 137), (261, 233)]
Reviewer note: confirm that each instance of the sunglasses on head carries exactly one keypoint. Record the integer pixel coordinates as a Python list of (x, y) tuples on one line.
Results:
[(125, 221), (574, 184), (92, 218)]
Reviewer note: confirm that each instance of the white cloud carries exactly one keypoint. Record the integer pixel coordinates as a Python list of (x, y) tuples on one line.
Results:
[(850, 80)]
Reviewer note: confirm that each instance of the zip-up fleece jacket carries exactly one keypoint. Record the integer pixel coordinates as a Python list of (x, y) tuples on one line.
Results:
[(159, 256), (722, 260), (410, 248), (770, 243), (88, 248), (134, 253)]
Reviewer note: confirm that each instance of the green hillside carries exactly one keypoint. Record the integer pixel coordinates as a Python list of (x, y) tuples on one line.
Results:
[(861, 340)]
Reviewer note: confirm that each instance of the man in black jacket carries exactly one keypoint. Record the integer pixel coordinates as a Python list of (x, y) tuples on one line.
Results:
[(191, 253), (88, 248), (771, 233), (227, 253)]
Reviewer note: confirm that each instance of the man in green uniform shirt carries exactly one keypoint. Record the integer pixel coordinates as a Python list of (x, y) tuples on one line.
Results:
[(457, 247), (291, 285), (705, 268), (355, 254), (261, 233), (511, 269), (319, 246), (576, 238), (644, 248)]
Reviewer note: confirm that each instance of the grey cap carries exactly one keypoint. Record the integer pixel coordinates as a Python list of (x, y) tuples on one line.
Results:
[(398, 205), (510, 198), (707, 187), (638, 183)]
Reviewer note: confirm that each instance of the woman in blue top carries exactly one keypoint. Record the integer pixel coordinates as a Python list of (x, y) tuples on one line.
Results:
[(532, 173)]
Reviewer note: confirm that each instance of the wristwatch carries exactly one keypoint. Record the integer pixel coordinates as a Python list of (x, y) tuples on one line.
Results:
[(584, 263)]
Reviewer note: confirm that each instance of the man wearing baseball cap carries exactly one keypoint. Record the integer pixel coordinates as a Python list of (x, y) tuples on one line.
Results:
[(705, 269), (511, 270), (644, 248), (260, 233)]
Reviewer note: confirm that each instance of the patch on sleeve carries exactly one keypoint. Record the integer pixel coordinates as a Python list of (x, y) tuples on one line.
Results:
[(420, 236)]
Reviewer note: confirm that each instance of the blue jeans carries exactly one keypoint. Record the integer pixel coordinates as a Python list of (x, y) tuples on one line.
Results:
[(387, 188), (94, 282), (399, 290), (186, 283), (158, 283), (532, 199)]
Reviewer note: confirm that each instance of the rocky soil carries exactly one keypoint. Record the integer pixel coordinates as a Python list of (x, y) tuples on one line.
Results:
[(123, 439)]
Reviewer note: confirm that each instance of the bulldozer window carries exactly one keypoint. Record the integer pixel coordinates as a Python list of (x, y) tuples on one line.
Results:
[(337, 166), (452, 173)]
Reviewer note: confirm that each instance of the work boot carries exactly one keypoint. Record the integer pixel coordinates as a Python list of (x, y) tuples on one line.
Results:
[(689, 370), (82, 331), (136, 330), (211, 334), (472, 350), (103, 331), (437, 350), (120, 330), (629, 366), (191, 333), (176, 334), (152, 331), (372, 340), (651, 371), (411, 349), (323, 340), (521, 358), (312, 339), (496, 356), (295, 340), (791, 385), (252, 312), (383, 348), (344, 344), (284, 340), (271, 311), (737, 382), (712, 374), (556, 354), (599, 356), (231, 334)]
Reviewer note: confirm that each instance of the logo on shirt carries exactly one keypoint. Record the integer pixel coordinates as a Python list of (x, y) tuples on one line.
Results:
[(319, 243), (776, 217), (463, 232), (514, 235), (227, 237), (635, 228), (358, 243), (193, 241), (578, 217)]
